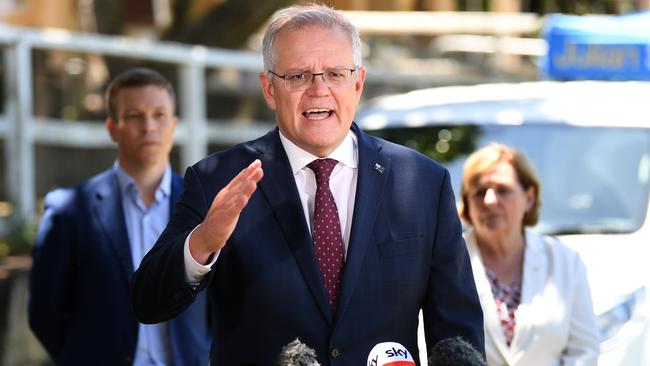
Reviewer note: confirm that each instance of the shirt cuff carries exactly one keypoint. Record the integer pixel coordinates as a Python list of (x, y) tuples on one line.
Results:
[(194, 271)]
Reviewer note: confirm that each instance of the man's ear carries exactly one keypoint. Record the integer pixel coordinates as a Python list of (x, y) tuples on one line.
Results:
[(111, 126), (267, 89), (359, 82), (361, 78)]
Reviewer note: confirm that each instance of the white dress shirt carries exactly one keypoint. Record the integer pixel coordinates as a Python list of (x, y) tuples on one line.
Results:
[(343, 184)]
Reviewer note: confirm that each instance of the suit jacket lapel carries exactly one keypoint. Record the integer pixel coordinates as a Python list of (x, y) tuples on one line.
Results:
[(373, 172), (279, 188), (177, 189), (534, 275), (107, 210), (491, 321)]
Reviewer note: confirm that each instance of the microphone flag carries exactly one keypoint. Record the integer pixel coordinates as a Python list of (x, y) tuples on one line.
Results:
[(390, 354)]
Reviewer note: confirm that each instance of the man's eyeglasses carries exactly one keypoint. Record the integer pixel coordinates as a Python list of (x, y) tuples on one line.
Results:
[(298, 81)]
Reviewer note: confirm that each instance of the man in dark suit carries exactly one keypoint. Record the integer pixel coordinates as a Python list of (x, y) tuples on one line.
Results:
[(342, 264), (93, 236)]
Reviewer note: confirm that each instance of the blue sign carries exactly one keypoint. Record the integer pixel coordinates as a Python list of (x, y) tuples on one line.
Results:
[(598, 47)]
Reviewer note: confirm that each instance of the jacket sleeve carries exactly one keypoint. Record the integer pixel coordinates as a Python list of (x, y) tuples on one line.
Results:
[(52, 274), (452, 307), (583, 344), (159, 291)]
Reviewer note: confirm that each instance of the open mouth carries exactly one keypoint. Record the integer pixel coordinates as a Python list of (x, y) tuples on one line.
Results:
[(316, 114)]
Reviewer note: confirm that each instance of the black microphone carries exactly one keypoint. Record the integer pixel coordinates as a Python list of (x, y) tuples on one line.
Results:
[(297, 353), (455, 352)]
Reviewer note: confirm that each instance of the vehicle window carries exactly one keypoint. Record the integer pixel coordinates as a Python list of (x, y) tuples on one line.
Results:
[(594, 180)]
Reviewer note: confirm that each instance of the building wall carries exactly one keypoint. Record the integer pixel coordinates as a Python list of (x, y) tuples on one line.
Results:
[(43, 14)]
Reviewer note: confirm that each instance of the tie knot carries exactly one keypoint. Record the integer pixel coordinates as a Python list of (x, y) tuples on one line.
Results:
[(322, 169)]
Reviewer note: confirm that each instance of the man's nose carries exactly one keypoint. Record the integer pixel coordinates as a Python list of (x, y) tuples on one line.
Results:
[(149, 123), (318, 85)]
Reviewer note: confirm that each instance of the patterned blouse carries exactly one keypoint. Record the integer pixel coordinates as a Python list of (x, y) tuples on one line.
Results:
[(507, 299)]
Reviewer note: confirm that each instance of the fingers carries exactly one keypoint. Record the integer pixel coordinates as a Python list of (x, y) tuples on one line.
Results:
[(237, 193), (252, 175), (226, 207), (253, 172)]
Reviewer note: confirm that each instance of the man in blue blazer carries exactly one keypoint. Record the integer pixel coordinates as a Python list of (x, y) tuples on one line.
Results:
[(249, 228), (93, 236)]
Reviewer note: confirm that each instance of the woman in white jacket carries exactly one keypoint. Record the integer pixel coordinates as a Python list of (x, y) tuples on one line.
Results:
[(534, 291)]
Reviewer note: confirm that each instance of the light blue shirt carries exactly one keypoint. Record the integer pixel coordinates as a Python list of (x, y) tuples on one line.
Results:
[(144, 225)]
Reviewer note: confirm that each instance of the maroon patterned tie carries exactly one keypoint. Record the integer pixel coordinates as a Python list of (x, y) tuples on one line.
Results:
[(328, 242)]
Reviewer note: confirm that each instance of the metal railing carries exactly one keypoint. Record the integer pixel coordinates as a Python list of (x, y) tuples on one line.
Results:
[(21, 130)]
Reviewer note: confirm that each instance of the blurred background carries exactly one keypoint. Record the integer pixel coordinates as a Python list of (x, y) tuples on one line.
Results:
[(56, 57)]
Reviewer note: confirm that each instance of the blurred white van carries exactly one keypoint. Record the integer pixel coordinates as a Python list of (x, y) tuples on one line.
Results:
[(590, 143)]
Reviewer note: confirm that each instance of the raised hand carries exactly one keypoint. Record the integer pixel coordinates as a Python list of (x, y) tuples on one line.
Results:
[(224, 213)]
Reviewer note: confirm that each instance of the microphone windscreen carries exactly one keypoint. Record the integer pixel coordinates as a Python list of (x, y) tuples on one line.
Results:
[(297, 353), (390, 354), (455, 352)]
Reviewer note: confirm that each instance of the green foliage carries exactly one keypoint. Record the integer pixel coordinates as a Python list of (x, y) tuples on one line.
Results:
[(17, 236), (441, 143)]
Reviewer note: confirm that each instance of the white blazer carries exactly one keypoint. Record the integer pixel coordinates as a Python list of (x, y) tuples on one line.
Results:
[(555, 322)]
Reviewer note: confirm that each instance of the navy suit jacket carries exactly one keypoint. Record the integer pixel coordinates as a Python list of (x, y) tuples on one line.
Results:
[(80, 307), (406, 253)]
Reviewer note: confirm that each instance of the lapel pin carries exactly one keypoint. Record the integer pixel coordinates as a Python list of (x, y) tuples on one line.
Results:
[(379, 168)]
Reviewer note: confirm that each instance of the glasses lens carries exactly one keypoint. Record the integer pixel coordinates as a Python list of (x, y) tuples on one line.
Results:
[(338, 77), (298, 81)]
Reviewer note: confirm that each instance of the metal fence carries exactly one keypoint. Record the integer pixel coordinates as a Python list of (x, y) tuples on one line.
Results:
[(21, 130)]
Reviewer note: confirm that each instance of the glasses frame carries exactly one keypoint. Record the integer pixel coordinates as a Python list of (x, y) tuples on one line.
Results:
[(313, 76)]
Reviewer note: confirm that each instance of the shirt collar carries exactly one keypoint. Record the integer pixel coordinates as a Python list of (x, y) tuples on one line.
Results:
[(346, 153), (127, 183)]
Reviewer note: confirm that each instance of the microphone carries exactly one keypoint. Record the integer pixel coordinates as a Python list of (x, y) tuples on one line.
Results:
[(390, 354), (455, 352), (297, 353)]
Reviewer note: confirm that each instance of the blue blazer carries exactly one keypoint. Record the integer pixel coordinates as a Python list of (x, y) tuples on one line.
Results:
[(406, 253), (80, 307)]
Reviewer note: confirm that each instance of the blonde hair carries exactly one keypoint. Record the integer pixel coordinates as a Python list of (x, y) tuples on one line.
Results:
[(483, 159)]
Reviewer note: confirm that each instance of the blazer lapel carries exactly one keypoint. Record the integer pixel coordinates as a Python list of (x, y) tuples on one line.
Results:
[(374, 168), (535, 273), (107, 211), (491, 321), (279, 188), (177, 189)]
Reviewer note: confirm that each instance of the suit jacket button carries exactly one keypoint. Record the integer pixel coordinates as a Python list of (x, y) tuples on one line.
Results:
[(128, 360), (335, 353)]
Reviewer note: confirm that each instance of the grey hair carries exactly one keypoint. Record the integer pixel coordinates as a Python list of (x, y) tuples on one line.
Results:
[(299, 16), (297, 353)]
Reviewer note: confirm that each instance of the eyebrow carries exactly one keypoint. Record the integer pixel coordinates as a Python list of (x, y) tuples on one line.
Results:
[(294, 70)]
